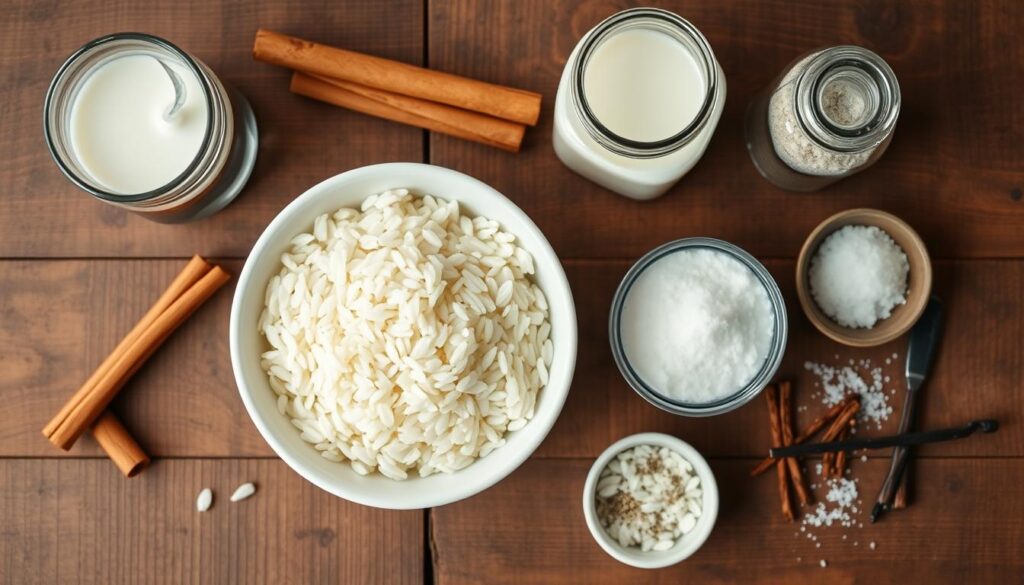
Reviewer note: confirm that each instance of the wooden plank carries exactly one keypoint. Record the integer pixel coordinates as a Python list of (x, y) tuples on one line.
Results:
[(301, 142), (80, 521), (956, 147), (963, 527), (58, 319)]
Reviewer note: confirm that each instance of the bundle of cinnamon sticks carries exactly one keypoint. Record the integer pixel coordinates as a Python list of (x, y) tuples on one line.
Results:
[(836, 422), (440, 102), (87, 408)]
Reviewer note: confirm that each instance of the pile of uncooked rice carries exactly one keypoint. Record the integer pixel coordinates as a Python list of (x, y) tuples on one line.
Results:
[(406, 335), (649, 497)]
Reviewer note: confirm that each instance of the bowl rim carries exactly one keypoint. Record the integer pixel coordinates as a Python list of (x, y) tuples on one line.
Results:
[(424, 498), (688, 544), (823, 322)]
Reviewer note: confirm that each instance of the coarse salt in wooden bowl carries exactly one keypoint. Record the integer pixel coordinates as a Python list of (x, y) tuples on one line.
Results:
[(919, 278)]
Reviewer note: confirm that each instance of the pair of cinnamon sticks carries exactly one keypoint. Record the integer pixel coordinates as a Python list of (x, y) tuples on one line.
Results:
[(440, 102), (86, 410), (837, 420)]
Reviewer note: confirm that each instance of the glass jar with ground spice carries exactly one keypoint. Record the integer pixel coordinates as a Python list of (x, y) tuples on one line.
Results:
[(828, 115)]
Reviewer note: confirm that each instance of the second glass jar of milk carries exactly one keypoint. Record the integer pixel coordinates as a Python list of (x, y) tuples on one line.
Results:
[(638, 101)]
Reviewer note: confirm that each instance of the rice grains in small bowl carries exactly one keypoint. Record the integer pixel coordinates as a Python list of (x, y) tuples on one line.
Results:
[(650, 500)]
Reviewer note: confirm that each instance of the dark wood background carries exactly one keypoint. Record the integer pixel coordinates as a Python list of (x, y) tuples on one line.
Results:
[(75, 274)]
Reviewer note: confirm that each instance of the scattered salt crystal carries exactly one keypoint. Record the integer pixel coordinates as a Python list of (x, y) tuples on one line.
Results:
[(817, 545), (871, 545), (823, 563), (839, 381), (858, 275), (864, 458), (842, 493)]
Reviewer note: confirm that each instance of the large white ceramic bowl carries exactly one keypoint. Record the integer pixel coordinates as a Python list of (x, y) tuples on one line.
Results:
[(349, 190)]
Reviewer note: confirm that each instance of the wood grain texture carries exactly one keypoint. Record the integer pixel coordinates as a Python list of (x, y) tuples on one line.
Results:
[(508, 534), (79, 521), (956, 147), (301, 142), (59, 319)]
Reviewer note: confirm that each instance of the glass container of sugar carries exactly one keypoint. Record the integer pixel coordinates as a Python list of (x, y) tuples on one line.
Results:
[(698, 327), (638, 102), (829, 114), (138, 123)]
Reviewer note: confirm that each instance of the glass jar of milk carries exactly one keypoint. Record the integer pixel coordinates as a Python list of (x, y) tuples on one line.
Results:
[(638, 101), (140, 124)]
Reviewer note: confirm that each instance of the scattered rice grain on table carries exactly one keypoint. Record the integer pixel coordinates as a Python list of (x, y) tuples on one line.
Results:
[(243, 491), (204, 500), (406, 336)]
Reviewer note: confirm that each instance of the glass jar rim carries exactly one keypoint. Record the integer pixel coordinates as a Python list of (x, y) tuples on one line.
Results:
[(88, 186), (771, 362), (816, 124), (616, 142)]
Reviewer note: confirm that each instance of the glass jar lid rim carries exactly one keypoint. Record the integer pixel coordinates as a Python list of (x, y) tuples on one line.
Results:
[(816, 123), (616, 142)]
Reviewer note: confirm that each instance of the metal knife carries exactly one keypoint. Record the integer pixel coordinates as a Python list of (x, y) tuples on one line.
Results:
[(924, 344)]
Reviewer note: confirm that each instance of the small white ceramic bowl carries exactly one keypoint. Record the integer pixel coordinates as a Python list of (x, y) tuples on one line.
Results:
[(349, 190), (689, 543)]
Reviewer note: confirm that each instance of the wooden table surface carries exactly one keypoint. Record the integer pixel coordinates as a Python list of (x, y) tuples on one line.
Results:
[(76, 274)]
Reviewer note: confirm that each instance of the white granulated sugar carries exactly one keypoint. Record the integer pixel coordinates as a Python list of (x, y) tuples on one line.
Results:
[(649, 497), (793, 145), (406, 336), (839, 381), (697, 325), (858, 276)]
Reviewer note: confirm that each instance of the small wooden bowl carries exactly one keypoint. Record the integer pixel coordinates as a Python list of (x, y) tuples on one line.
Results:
[(918, 290)]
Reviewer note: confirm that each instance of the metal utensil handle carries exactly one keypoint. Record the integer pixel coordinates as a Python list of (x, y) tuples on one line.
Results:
[(899, 454)]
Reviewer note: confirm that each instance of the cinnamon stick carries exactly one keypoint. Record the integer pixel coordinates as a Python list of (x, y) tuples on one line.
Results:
[(119, 445), (511, 104), (412, 111), (827, 463), (95, 400), (840, 460), (841, 421), (192, 272), (811, 430), (776, 432), (785, 415)]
